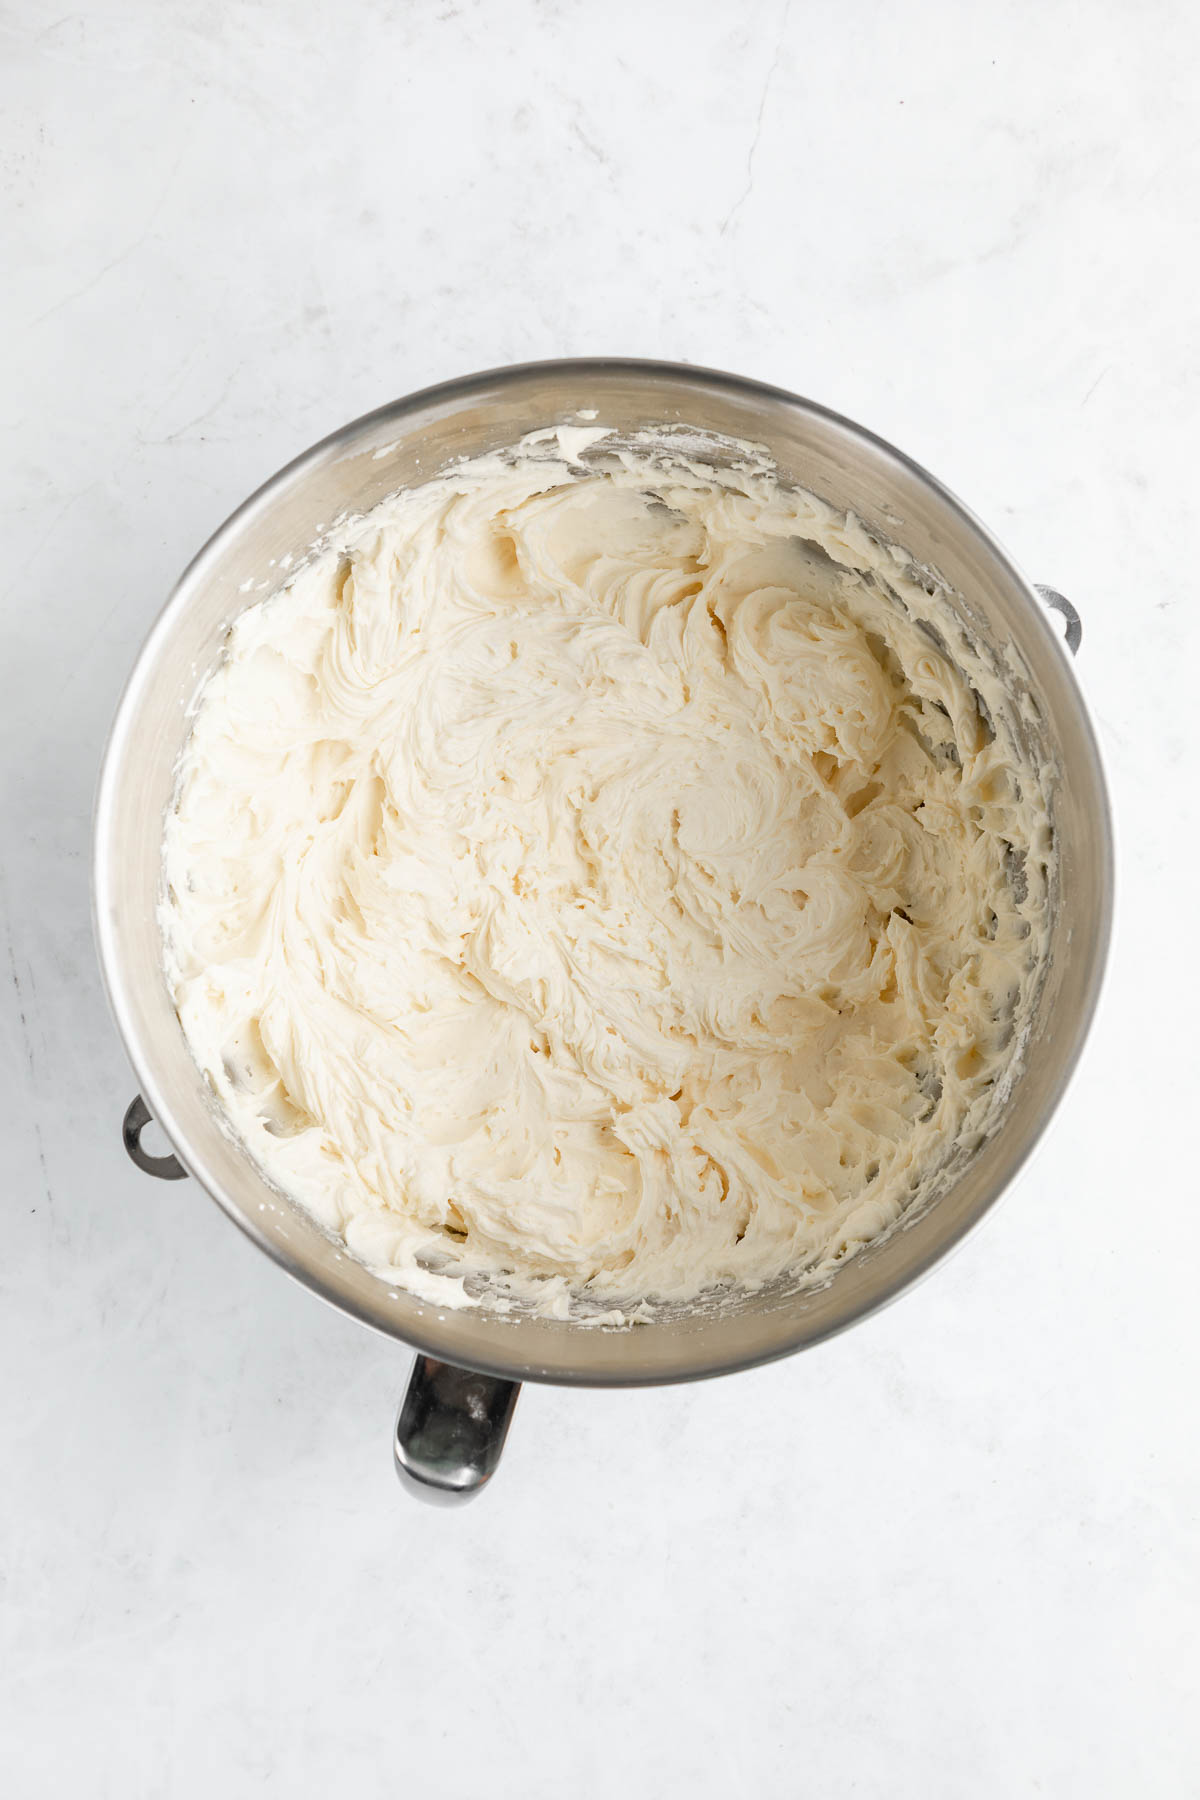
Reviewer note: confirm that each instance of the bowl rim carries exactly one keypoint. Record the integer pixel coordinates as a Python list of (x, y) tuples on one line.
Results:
[(438, 1340)]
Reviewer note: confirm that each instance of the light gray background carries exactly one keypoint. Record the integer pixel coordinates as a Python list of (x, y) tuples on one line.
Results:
[(953, 1553)]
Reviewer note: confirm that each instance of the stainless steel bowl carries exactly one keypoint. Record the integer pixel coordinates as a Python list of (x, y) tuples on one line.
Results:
[(454, 1417)]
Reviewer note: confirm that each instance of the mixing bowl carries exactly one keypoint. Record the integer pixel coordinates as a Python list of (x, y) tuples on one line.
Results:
[(457, 1409)]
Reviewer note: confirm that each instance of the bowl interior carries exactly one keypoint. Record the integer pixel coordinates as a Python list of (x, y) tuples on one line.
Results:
[(407, 443)]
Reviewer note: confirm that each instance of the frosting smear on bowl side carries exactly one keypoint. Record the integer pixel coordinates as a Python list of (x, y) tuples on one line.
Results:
[(590, 882)]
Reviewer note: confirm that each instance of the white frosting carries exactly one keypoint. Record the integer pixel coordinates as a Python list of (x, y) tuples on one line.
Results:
[(598, 881)]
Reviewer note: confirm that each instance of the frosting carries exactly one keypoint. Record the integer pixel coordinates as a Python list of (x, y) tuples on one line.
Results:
[(591, 881)]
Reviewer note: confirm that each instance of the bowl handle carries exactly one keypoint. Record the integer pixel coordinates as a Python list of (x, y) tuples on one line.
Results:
[(1073, 635), (137, 1117), (451, 1429)]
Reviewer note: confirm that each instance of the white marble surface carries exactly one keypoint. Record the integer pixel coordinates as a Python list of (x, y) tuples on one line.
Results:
[(952, 1553)]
